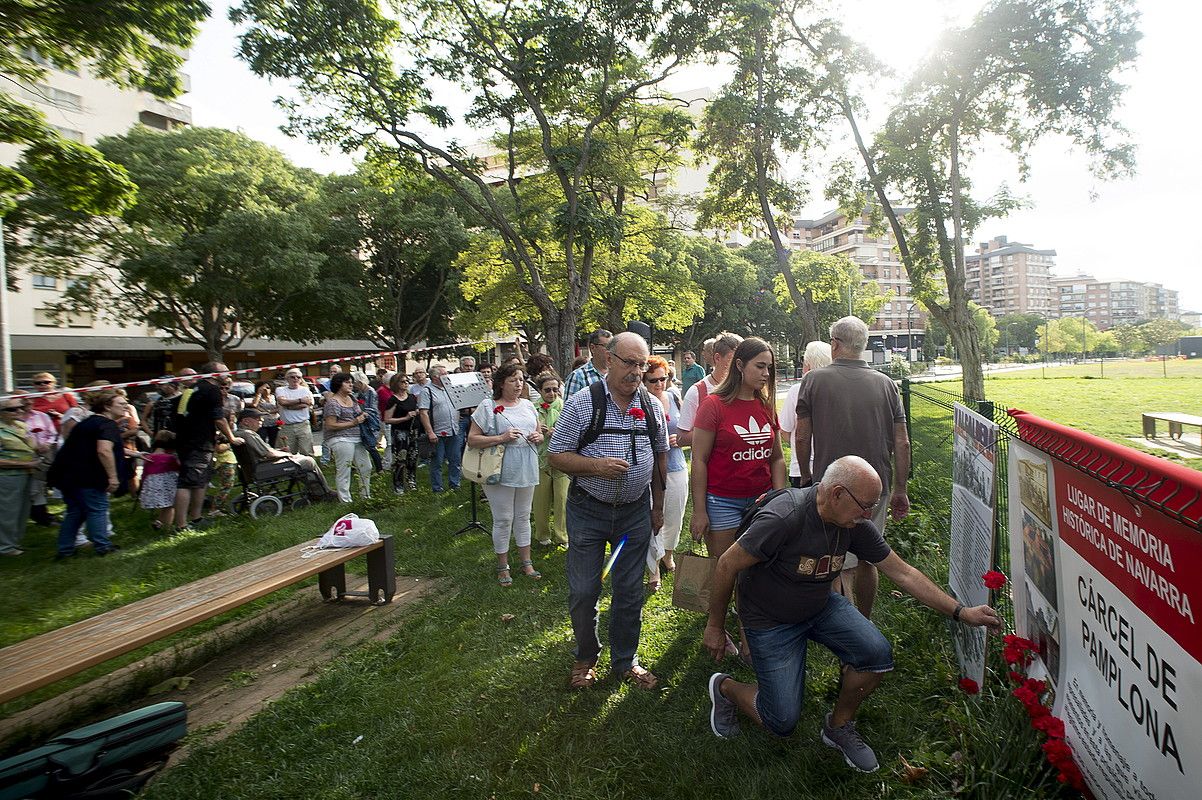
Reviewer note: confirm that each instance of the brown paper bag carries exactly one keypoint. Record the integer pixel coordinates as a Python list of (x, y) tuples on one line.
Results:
[(691, 587)]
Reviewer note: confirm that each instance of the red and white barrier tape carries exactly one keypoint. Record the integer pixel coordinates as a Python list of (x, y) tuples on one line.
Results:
[(177, 379)]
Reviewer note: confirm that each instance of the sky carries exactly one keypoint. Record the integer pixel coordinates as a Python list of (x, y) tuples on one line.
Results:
[(1095, 227)]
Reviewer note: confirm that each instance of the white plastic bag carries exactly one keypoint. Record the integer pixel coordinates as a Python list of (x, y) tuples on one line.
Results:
[(349, 531)]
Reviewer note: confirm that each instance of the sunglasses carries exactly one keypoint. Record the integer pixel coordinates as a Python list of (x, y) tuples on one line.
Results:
[(42, 383), (656, 380)]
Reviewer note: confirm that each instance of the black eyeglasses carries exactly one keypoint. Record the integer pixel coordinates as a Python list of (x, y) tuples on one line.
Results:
[(42, 383), (863, 507), (656, 380), (12, 409), (641, 366)]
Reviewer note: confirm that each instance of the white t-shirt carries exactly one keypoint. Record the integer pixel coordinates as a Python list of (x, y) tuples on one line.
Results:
[(788, 423), (692, 399), (293, 415)]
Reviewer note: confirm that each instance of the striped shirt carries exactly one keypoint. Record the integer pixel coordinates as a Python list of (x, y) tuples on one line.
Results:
[(582, 376), (636, 449)]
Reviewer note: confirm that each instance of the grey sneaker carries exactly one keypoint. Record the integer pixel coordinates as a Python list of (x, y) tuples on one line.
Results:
[(724, 717), (847, 740)]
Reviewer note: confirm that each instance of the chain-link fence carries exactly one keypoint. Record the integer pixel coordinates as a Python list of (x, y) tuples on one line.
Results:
[(931, 419)]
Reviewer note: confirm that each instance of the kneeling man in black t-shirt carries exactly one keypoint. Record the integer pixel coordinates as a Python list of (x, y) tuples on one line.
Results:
[(784, 563)]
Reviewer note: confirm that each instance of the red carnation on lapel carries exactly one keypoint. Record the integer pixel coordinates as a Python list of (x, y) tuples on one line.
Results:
[(638, 413)]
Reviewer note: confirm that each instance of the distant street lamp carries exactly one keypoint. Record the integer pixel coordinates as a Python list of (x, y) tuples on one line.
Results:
[(910, 334)]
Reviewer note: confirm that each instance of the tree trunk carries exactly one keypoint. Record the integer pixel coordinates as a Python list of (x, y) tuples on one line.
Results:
[(559, 329), (964, 328)]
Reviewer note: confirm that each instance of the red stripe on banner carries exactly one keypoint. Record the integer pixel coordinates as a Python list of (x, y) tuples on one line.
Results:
[(1172, 487), (249, 370)]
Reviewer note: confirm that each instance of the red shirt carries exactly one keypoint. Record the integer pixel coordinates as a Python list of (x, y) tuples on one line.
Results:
[(54, 402), (744, 435)]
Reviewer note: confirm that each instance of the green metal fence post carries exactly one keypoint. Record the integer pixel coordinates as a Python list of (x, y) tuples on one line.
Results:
[(905, 393)]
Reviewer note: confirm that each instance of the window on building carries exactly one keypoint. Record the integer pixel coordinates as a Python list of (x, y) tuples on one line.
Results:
[(58, 98), (42, 318), (69, 133), (80, 319), (44, 281)]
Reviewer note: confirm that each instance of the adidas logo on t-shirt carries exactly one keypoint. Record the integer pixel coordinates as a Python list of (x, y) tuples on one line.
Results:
[(753, 434)]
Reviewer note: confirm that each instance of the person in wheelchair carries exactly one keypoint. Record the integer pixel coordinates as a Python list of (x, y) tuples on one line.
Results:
[(270, 464)]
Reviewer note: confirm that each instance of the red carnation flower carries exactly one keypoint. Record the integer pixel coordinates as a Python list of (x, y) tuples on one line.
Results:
[(993, 579), (969, 686), (544, 406), (36, 430), (667, 417), (498, 409), (1017, 677), (1052, 726), (638, 413)]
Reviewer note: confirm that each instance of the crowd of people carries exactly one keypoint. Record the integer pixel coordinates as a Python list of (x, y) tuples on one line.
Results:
[(601, 461)]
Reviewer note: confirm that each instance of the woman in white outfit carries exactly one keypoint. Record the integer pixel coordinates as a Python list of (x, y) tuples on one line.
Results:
[(511, 421), (342, 416), (676, 491), (817, 355)]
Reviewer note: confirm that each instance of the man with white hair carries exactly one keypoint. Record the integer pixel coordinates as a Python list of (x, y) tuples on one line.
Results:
[(440, 421), (848, 408), (296, 405), (785, 563)]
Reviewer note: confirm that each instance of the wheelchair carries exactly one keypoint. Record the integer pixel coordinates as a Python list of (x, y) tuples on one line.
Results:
[(268, 487)]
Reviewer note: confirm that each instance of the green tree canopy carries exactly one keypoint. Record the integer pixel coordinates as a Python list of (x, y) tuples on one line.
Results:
[(1020, 71), (217, 248), (391, 238), (553, 78), (1019, 330), (137, 44)]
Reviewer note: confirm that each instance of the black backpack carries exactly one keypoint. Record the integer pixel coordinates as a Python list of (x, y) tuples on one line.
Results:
[(596, 424)]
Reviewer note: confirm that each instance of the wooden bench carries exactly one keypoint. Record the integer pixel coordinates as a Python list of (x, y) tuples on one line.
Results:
[(1174, 419), (55, 655)]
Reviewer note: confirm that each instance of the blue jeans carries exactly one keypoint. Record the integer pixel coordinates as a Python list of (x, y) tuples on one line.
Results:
[(449, 449), (89, 504), (591, 524), (780, 657), (725, 513)]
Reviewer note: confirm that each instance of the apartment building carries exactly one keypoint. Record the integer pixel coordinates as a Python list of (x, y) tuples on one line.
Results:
[(900, 322), (86, 347), (1009, 277), (1110, 303)]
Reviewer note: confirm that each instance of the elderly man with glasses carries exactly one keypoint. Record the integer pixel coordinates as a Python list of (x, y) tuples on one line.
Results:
[(848, 408), (53, 405), (785, 563), (617, 498), (296, 405)]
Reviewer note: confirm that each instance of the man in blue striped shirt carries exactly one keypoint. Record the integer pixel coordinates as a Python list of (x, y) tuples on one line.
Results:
[(617, 492), (595, 368)]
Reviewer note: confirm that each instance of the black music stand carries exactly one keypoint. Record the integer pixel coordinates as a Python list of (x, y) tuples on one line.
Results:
[(475, 523)]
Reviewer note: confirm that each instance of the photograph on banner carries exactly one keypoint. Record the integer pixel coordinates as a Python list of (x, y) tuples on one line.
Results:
[(1127, 646), (1033, 558), (974, 468)]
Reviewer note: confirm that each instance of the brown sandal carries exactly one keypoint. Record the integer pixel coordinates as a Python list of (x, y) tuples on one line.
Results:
[(583, 676), (642, 678)]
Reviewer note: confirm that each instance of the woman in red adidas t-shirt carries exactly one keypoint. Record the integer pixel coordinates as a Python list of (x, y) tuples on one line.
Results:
[(736, 451)]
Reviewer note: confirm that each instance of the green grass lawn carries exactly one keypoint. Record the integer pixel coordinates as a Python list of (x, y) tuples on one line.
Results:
[(1109, 407), (461, 703)]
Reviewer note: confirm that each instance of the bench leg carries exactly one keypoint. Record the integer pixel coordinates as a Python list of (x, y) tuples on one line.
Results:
[(381, 573), (1149, 427), (332, 582), (1175, 430)]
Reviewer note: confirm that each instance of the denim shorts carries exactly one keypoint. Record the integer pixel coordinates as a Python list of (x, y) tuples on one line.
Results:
[(726, 513), (779, 656)]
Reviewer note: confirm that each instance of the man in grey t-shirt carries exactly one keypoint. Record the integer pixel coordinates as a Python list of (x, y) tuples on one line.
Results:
[(440, 420), (851, 409), (785, 563)]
